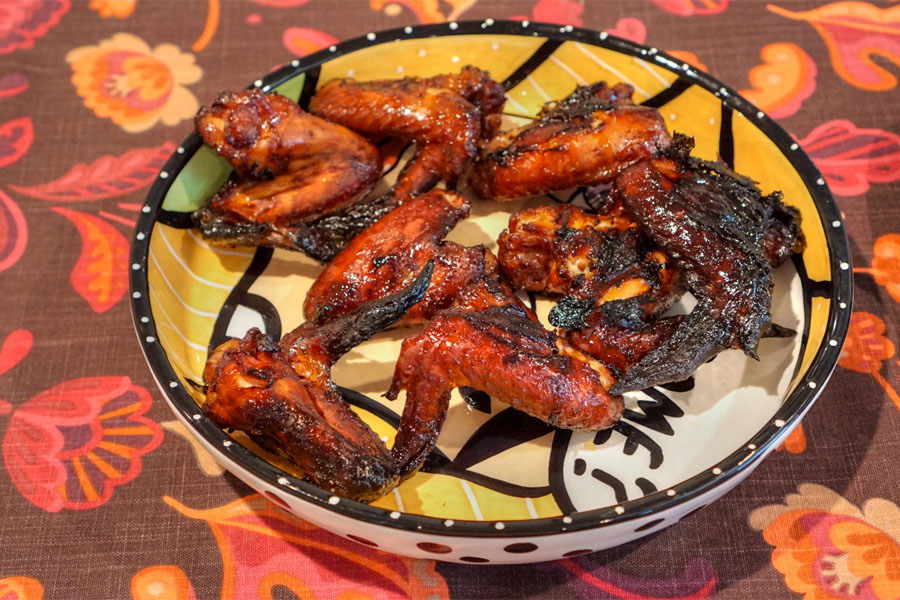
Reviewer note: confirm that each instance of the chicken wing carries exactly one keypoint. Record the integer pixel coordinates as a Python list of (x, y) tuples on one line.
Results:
[(503, 352), (386, 256), (283, 397), (291, 167), (725, 236), (586, 139)]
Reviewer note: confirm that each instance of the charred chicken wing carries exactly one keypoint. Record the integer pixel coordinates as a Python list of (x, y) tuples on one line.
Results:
[(283, 397), (290, 167), (586, 139), (725, 236), (386, 256)]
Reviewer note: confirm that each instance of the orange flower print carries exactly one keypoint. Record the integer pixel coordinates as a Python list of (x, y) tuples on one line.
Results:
[(124, 80), (886, 264), (866, 348), (21, 588), (163, 581), (828, 549), (424, 11)]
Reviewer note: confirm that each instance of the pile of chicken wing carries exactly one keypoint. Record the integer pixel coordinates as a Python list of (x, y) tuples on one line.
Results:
[(667, 224)]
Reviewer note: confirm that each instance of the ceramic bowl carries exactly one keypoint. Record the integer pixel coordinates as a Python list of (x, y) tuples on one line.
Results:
[(501, 487)]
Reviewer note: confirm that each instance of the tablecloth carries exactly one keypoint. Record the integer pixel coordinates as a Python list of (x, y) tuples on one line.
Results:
[(94, 95)]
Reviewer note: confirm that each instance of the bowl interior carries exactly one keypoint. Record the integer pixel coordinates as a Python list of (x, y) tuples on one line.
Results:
[(492, 462)]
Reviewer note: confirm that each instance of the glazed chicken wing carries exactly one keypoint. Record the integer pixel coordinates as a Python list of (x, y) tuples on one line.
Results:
[(283, 397), (586, 139), (503, 352), (291, 167), (444, 115), (725, 236), (386, 256)]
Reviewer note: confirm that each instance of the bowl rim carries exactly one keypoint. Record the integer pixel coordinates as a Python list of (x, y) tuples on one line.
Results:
[(792, 409)]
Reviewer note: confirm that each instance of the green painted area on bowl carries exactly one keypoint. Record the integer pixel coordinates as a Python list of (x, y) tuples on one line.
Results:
[(292, 87), (200, 178)]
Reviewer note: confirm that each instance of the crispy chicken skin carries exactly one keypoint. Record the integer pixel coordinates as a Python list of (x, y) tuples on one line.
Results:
[(283, 397), (386, 256), (718, 230), (585, 139), (502, 351), (444, 115), (290, 167)]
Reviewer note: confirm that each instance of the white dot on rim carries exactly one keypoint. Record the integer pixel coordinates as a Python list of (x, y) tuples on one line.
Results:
[(197, 416), (620, 510), (812, 384), (449, 523), (136, 267), (670, 493), (820, 181), (150, 339), (163, 174), (778, 423), (499, 525), (136, 295), (526, 23), (145, 209), (751, 446), (843, 305), (332, 48), (567, 519), (835, 223), (760, 115), (454, 25), (832, 343), (488, 22), (395, 514), (173, 384), (603, 35), (283, 481), (794, 146), (844, 266), (258, 83), (717, 471), (140, 235), (295, 63), (145, 319), (334, 500), (371, 38), (407, 30), (227, 443), (179, 150)]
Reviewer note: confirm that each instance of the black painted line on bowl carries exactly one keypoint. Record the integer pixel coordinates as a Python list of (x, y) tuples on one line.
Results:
[(310, 82), (239, 295), (533, 62), (726, 136), (799, 402), (678, 87)]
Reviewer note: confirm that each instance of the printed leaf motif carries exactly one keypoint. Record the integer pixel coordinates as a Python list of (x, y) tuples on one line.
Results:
[(15, 140), (786, 78), (101, 274), (12, 84), (21, 588), (263, 547), (13, 232), (687, 8), (828, 549), (589, 579), (855, 32), (15, 347), (207, 463), (23, 22), (70, 446), (851, 158), (106, 177), (302, 41)]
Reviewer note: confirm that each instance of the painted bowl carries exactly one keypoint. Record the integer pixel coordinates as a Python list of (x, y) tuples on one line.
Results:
[(501, 487)]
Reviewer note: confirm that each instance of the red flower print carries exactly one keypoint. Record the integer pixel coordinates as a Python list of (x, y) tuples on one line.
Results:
[(70, 446), (13, 232)]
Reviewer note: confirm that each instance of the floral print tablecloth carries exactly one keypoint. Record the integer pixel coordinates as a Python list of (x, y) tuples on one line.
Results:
[(103, 494)]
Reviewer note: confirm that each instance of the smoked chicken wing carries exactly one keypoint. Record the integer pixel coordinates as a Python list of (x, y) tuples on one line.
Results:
[(386, 256), (586, 139), (290, 167)]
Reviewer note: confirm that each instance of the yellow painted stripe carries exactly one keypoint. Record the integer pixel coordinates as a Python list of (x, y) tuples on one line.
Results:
[(136, 430), (133, 407), (119, 449)]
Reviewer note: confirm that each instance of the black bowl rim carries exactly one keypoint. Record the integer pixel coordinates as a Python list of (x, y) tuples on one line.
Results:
[(792, 409)]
